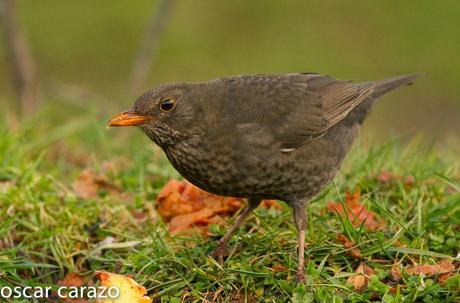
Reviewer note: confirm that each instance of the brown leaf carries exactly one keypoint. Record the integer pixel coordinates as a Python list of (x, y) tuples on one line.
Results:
[(444, 277), (72, 279), (409, 181), (445, 266), (271, 204), (185, 206), (451, 189), (396, 273), (354, 251), (130, 290), (357, 213), (88, 185), (172, 202), (361, 279), (395, 289), (185, 221), (278, 268), (76, 280), (385, 176)]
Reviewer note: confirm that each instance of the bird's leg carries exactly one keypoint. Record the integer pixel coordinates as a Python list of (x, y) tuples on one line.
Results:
[(300, 219), (222, 247)]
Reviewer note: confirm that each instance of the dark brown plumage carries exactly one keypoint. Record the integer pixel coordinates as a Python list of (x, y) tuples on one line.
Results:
[(258, 136)]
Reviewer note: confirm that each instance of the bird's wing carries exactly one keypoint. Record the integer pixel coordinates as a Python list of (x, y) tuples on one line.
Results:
[(296, 108)]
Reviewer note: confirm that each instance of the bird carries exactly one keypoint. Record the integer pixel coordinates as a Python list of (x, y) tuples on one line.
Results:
[(260, 136)]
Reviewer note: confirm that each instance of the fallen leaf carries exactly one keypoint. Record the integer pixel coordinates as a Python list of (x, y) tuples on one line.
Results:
[(278, 268), (444, 277), (76, 280), (451, 189), (357, 213), (171, 201), (88, 185), (354, 251), (271, 204), (72, 279), (395, 289), (185, 221), (395, 272), (184, 206), (130, 290), (361, 279), (445, 266), (398, 243), (385, 176), (409, 181)]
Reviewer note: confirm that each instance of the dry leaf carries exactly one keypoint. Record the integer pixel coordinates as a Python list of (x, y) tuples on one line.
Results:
[(395, 289), (278, 268), (185, 221), (171, 201), (360, 280), (357, 213), (271, 204), (445, 266), (354, 251), (396, 273), (130, 290), (409, 181), (451, 189), (385, 176), (185, 206), (88, 185), (444, 277), (73, 280)]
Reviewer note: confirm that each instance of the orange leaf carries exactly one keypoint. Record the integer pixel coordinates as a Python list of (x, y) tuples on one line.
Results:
[(185, 206), (271, 204), (409, 181), (185, 221), (361, 279), (354, 252), (357, 213), (72, 279), (88, 185), (278, 268), (445, 266), (444, 277), (396, 273), (385, 176), (130, 290)]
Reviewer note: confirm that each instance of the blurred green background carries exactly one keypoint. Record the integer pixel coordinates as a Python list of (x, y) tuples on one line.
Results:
[(88, 48)]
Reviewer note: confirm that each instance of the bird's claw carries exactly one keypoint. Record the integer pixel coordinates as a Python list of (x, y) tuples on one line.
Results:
[(300, 277)]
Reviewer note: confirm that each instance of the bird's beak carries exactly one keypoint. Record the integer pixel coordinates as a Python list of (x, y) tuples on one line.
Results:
[(128, 118)]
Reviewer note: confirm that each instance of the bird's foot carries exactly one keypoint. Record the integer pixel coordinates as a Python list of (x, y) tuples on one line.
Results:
[(300, 277), (220, 252)]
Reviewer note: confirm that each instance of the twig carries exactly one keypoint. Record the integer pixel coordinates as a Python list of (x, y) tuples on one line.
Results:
[(22, 63), (149, 44)]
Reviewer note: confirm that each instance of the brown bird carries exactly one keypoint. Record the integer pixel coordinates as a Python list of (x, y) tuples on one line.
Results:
[(258, 136)]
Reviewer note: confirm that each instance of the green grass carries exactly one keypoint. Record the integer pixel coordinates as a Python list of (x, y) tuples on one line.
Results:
[(47, 230)]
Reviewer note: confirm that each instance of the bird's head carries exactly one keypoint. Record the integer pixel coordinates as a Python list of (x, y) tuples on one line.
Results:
[(168, 113)]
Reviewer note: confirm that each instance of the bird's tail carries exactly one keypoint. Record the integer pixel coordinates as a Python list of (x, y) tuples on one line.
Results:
[(384, 86)]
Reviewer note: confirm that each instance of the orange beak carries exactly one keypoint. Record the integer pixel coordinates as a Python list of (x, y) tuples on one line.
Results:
[(128, 118)]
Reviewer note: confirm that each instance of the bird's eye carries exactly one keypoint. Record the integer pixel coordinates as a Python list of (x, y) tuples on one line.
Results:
[(167, 104)]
